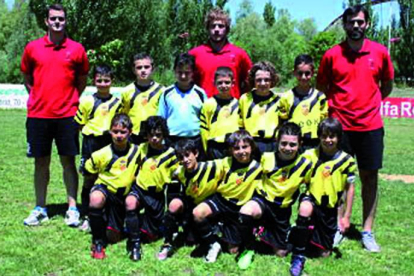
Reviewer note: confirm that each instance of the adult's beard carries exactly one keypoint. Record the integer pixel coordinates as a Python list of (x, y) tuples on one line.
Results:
[(356, 35)]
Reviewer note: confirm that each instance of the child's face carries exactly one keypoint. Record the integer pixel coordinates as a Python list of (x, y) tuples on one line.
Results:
[(155, 138), (184, 75), (329, 143), (303, 73), (262, 81), (120, 135), (103, 83), (224, 85), (288, 147), (242, 152), (143, 69), (188, 160)]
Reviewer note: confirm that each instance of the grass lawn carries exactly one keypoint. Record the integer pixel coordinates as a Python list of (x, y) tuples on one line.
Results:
[(55, 249)]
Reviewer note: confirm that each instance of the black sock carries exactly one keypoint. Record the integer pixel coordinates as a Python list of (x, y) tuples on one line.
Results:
[(133, 225), (170, 226), (206, 231), (98, 225), (246, 230), (299, 235)]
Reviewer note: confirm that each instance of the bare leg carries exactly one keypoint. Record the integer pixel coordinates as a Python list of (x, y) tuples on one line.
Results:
[(41, 179), (70, 178), (369, 179)]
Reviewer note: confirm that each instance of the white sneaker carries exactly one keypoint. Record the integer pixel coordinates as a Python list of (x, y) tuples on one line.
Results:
[(213, 253), (339, 237), (72, 217), (36, 217), (369, 243), (85, 227)]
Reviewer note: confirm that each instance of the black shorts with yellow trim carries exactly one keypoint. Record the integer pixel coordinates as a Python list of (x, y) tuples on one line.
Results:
[(325, 225), (153, 204), (114, 207), (228, 213), (276, 223)]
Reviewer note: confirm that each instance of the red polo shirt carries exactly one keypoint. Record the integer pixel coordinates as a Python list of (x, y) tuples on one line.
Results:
[(207, 62), (353, 79), (54, 69)]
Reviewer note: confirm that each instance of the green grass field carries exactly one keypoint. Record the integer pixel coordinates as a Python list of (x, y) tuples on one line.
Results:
[(55, 249)]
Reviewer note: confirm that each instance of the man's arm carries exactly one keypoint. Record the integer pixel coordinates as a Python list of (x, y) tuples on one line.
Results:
[(81, 83), (386, 88), (28, 82)]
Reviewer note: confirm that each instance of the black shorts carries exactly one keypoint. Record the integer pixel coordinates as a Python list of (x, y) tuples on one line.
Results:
[(228, 213), (41, 133), (114, 208), (276, 222), (153, 204), (91, 144), (325, 225), (367, 146), (217, 150)]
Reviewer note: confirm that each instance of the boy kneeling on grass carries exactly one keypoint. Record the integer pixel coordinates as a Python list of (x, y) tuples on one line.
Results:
[(115, 166), (332, 183)]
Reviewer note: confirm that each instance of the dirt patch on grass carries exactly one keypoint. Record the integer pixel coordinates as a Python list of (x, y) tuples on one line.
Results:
[(398, 177)]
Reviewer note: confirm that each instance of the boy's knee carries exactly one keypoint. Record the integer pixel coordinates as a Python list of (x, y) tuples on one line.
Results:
[(96, 200), (131, 203), (305, 209), (175, 206), (200, 213)]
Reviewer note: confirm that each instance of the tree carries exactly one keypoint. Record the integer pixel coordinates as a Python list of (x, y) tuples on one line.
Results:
[(307, 28), (269, 14)]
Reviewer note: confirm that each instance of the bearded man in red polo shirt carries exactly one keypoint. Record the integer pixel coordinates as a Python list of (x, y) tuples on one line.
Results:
[(217, 52), (355, 76), (55, 70)]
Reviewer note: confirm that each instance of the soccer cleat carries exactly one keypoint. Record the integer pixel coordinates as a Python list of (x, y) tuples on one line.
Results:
[(213, 253), (98, 251), (297, 264), (72, 217), (245, 259), (369, 243), (85, 227), (339, 237), (135, 252), (165, 252), (36, 217)]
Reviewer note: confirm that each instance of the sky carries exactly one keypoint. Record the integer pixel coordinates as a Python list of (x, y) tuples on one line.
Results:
[(323, 11)]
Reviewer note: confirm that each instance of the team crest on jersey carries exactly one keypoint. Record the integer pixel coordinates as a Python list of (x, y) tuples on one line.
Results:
[(283, 176), (104, 110), (305, 109), (226, 112), (67, 55), (194, 187), (153, 166), (326, 172), (262, 110), (239, 181), (144, 101), (122, 165)]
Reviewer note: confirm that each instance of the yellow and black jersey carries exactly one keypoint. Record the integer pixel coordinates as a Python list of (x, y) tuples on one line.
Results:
[(139, 105), (218, 121), (155, 168), (114, 171), (259, 117), (239, 183), (201, 183), (95, 114), (281, 182), (330, 176), (305, 111)]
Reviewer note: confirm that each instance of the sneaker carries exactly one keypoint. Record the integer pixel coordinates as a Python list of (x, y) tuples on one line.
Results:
[(165, 252), (72, 217), (245, 259), (213, 253), (85, 227), (297, 264), (369, 243), (36, 217), (339, 237), (98, 251)]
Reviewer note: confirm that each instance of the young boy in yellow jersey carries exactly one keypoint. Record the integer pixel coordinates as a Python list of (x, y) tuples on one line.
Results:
[(331, 184), (156, 164), (271, 207), (140, 98), (94, 117), (219, 116), (115, 166), (241, 176), (259, 109), (198, 180), (304, 105)]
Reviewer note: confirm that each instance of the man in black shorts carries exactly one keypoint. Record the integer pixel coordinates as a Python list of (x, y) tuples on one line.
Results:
[(55, 69)]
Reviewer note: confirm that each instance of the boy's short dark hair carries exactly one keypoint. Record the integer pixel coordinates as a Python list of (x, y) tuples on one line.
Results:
[(354, 10), (241, 135), (264, 66), (185, 145), (332, 126), (289, 128), (184, 59), (103, 69), (55, 7), (305, 59), (217, 14), (142, 55), (156, 122), (223, 71), (123, 120)]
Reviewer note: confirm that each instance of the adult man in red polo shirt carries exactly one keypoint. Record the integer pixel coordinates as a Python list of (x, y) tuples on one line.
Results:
[(355, 76), (55, 70), (219, 52)]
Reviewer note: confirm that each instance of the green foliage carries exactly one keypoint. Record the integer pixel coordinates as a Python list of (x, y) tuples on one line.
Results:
[(321, 42), (109, 53), (307, 28), (269, 14)]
